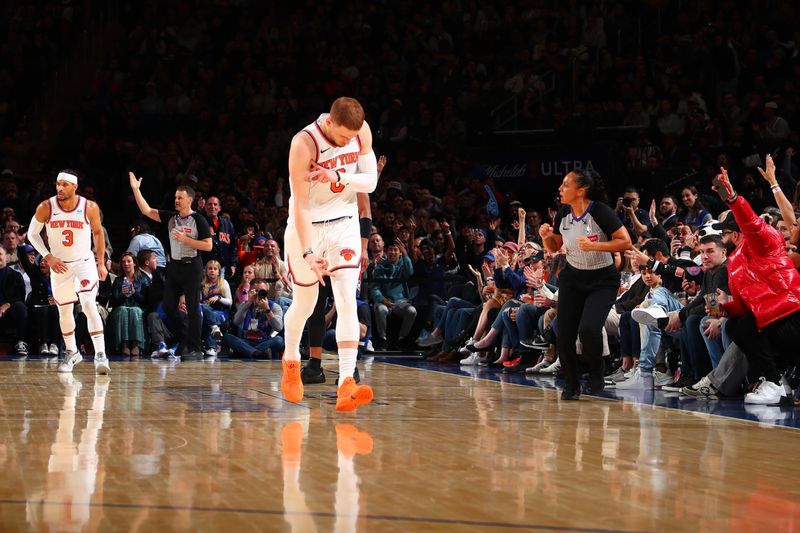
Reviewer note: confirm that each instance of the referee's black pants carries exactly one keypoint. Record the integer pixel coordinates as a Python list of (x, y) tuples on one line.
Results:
[(584, 299), (184, 278)]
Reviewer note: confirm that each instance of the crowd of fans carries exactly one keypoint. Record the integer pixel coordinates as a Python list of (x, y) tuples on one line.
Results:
[(209, 96)]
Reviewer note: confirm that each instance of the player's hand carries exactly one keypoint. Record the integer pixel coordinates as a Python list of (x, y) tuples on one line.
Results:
[(364, 260), (545, 231), (321, 174), (135, 183), (381, 164), (319, 266), (57, 265), (521, 214)]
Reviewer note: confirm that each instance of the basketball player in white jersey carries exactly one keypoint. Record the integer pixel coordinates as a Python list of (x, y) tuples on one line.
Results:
[(330, 162), (72, 222)]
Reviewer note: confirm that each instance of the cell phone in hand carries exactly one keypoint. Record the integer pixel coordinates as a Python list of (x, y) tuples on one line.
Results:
[(721, 189)]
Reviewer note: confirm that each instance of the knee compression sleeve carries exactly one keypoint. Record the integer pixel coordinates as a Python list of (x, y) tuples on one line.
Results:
[(89, 307), (344, 294), (66, 318)]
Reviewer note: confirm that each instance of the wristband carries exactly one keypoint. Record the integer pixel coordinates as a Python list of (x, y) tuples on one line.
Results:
[(776, 188), (366, 227), (308, 252)]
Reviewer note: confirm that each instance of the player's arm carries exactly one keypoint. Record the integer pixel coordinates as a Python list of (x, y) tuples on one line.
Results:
[(365, 222), (40, 218), (144, 207), (99, 237), (299, 156), (365, 179)]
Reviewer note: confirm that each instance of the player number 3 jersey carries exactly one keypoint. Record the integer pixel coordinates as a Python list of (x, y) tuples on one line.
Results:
[(69, 233), (331, 200)]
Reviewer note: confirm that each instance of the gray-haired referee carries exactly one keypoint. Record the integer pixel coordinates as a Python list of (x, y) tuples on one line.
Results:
[(188, 234)]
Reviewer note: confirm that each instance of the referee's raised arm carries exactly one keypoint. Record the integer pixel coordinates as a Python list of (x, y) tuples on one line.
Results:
[(144, 207)]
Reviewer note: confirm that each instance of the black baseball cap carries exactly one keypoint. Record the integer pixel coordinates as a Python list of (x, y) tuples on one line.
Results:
[(729, 224)]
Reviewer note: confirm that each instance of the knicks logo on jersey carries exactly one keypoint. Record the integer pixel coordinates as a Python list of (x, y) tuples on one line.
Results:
[(347, 253), (72, 224), (84, 283)]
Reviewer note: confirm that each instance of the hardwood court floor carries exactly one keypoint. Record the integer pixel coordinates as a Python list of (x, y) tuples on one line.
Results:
[(213, 447)]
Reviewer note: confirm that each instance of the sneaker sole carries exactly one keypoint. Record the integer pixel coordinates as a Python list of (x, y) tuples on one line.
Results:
[(102, 369)]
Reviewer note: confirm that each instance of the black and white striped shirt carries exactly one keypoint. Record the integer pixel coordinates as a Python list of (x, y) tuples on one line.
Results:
[(598, 223)]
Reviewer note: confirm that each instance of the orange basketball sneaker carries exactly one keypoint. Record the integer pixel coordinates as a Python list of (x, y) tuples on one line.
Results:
[(350, 396), (350, 441), (291, 384)]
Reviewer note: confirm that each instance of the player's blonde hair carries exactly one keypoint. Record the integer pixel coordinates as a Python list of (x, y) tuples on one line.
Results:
[(347, 112)]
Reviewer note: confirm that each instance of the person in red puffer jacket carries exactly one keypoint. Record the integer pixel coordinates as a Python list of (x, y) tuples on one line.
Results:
[(765, 288)]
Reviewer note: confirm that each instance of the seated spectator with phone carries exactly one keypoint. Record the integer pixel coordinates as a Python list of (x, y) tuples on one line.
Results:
[(256, 325)]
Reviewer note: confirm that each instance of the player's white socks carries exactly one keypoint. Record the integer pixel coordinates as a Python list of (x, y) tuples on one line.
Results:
[(99, 341), (70, 343), (347, 362)]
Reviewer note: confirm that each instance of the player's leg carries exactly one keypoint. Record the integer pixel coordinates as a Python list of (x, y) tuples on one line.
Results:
[(312, 373), (304, 299), (344, 257), (63, 286), (86, 281)]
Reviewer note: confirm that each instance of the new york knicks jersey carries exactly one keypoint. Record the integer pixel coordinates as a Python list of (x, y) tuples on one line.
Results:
[(331, 200), (69, 233)]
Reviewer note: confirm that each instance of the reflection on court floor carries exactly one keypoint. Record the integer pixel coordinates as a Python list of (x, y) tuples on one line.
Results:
[(214, 447)]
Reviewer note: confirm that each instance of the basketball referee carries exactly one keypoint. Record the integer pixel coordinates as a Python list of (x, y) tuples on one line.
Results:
[(587, 287), (189, 234)]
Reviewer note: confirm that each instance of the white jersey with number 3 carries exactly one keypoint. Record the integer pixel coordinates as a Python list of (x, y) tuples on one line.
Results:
[(328, 201), (69, 233)]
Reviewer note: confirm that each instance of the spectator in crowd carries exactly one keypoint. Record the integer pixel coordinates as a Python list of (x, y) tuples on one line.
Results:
[(257, 325), (390, 296), (651, 315), (128, 300), (693, 212), (272, 268), (143, 239), (10, 243), (42, 309), (13, 313), (667, 211), (764, 311), (216, 300), (243, 290), (628, 209), (223, 237)]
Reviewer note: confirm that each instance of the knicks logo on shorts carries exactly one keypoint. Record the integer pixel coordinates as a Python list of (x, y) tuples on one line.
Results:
[(347, 253), (84, 283)]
